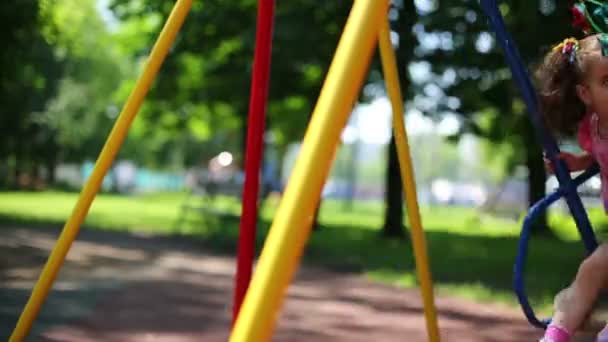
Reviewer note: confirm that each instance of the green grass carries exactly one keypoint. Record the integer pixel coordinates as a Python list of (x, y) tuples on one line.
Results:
[(471, 255)]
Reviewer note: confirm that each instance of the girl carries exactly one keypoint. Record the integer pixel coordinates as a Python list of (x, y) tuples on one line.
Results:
[(573, 94)]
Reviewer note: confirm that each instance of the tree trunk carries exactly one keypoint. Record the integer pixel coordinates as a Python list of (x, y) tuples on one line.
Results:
[(19, 164), (51, 165), (34, 174), (244, 128), (315, 220), (537, 178), (393, 215), (17, 170), (353, 162)]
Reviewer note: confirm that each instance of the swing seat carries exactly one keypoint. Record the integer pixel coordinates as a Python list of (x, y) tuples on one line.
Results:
[(567, 186), (522, 251)]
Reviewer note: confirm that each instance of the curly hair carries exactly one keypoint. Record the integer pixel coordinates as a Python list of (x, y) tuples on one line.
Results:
[(558, 76)]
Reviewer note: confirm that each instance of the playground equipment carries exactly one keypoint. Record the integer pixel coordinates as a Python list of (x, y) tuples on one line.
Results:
[(568, 186), (366, 24), (255, 135), (291, 226)]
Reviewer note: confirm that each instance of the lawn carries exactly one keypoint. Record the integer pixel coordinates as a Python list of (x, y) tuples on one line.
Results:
[(471, 254)]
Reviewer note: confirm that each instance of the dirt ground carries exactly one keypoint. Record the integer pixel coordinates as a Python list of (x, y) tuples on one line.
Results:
[(121, 287)]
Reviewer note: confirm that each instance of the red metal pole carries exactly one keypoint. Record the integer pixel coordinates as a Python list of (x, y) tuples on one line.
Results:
[(253, 155)]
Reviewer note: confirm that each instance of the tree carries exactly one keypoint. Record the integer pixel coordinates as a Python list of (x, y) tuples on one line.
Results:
[(79, 118), (59, 98), (30, 73), (466, 62), (393, 215), (206, 78)]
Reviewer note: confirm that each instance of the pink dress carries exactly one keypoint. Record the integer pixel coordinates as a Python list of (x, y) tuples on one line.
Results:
[(590, 140)]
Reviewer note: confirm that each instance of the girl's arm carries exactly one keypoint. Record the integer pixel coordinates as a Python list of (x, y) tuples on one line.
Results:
[(574, 162)]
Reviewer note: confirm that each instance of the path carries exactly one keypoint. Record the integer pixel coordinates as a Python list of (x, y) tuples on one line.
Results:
[(119, 287)]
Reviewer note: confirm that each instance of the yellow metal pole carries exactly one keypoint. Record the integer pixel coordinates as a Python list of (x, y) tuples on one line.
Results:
[(391, 77), (107, 155), (291, 227)]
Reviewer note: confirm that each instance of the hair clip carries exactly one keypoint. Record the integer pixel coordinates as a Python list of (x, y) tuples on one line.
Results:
[(568, 47)]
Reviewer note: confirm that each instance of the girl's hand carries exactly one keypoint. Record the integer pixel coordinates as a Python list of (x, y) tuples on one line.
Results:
[(573, 162)]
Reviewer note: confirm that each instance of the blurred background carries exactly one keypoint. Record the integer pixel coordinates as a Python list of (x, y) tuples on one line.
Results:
[(67, 67)]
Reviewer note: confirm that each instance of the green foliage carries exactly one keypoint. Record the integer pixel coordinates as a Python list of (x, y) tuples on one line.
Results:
[(83, 111), (62, 105), (466, 62), (478, 65), (210, 67), (30, 73)]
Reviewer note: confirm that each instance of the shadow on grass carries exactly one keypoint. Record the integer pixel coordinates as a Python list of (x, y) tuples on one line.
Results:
[(456, 259)]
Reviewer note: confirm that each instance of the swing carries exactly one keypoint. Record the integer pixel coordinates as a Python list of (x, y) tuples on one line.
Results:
[(567, 185)]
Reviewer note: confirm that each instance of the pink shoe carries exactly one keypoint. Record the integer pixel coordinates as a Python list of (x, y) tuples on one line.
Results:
[(555, 334)]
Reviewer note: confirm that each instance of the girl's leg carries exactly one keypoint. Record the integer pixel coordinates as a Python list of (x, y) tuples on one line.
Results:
[(573, 304)]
